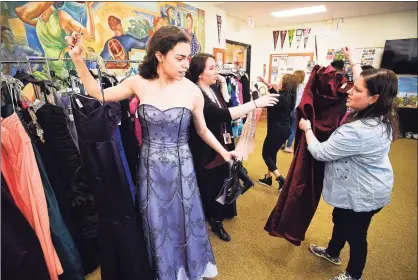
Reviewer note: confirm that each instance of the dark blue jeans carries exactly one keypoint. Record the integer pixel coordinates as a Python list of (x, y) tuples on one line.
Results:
[(292, 129)]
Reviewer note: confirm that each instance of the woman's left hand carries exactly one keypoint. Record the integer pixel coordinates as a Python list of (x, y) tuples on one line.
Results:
[(221, 79), (228, 156), (304, 124)]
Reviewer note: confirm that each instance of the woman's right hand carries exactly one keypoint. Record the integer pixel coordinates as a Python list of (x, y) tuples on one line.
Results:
[(74, 43), (268, 100), (261, 80), (348, 53)]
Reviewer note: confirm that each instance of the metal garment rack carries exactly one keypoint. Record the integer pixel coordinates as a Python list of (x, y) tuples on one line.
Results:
[(46, 60), (38, 59)]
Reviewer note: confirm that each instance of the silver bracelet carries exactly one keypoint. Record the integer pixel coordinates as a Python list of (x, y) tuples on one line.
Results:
[(309, 128)]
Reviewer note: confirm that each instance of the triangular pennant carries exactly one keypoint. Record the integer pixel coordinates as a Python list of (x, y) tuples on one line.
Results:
[(299, 33), (219, 25), (306, 33), (275, 38), (291, 35), (283, 37)]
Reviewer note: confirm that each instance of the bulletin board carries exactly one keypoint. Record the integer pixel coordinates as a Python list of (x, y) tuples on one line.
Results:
[(368, 56), (287, 63), (364, 56)]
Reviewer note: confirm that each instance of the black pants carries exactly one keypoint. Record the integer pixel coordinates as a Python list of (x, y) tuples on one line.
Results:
[(352, 227), (271, 147)]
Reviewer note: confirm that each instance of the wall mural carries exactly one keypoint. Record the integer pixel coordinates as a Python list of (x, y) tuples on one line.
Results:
[(115, 30)]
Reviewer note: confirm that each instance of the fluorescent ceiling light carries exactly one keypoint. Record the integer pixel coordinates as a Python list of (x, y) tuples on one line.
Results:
[(300, 11)]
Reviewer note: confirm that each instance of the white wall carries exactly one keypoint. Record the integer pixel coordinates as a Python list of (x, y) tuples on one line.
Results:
[(358, 32), (232, 29)]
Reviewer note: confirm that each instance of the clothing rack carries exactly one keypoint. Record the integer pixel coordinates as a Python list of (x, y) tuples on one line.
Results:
[(46, 60)]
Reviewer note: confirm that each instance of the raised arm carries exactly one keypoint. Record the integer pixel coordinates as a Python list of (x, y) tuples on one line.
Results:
[(355, 65), (116, 93), (29, 12), (268, 100)]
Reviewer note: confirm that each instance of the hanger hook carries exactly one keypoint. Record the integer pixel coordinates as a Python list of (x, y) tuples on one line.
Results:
[(338, 22)]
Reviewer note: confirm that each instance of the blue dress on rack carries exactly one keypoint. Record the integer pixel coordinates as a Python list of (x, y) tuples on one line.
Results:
[(173, 220)]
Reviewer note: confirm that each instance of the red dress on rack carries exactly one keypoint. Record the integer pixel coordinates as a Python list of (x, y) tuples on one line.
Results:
[(299, 198)]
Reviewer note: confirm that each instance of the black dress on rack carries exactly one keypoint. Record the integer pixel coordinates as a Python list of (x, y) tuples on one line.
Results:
[(68, 179), (63, 242), (22, 256), (123, 254), (130, 143)]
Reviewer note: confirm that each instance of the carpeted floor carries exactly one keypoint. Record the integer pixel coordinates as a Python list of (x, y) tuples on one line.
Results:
[(254, 255)]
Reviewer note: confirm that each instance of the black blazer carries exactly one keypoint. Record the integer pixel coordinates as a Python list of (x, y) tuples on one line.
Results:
[(216, 120)]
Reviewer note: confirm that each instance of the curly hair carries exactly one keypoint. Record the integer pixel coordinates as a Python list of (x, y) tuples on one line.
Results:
[(164, 40)]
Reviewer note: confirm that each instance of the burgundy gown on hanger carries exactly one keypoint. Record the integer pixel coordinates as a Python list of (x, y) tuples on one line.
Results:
[(299, 198)]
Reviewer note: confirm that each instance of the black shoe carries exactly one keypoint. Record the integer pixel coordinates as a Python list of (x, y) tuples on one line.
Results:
[(281, 180), (267, 181), (218, 228)]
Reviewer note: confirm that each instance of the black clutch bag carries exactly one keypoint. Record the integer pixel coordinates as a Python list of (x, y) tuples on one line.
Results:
[(232, 187)]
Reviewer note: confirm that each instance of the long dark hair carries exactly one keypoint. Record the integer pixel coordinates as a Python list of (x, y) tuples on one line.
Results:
[(385, 83), (197, 66), (164, 40), (289, 88)]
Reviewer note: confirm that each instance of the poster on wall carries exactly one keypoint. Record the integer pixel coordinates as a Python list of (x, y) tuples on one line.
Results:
[(113, 30), (281, 64), (335, 54), (368, 56), (407, 92)]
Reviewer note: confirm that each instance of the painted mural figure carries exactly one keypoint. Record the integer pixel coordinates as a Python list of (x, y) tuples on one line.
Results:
[(157, 24), (11, 50), (195, 46), (52, 25), (173, 17), (118, 46)]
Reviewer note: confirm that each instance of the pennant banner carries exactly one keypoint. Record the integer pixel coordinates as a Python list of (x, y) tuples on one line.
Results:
[(283, 37), (291, 35), (306, 33), (299, 33), (219, 21), (275, 38)]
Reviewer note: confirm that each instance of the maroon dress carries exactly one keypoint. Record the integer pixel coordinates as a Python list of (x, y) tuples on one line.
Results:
[(300, 195)]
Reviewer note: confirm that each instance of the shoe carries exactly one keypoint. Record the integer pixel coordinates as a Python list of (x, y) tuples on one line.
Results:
[(281, 180), (288, 150), (322, 252), (267, 181), (218, 228), (344, 276)]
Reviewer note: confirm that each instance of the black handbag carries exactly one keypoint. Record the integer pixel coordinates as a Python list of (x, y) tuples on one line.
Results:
[(232, 187)]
